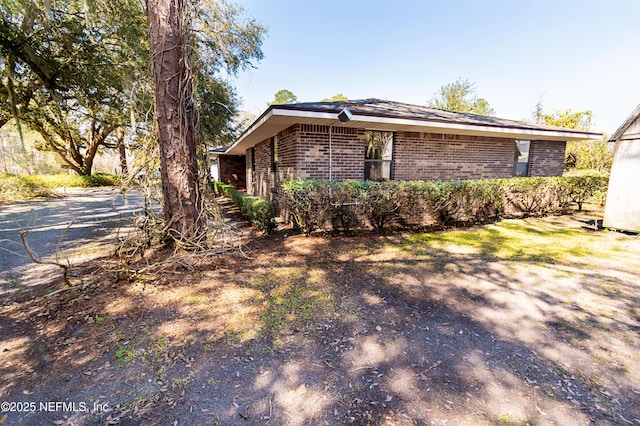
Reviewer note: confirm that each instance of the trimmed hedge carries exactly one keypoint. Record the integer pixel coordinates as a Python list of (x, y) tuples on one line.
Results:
[(312, 203), (260, 212)]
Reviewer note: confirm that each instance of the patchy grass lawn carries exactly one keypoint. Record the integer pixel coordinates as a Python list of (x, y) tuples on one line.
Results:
[(531, 321)]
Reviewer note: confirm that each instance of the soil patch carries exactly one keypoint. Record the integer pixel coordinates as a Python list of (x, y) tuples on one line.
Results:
[(531, 321)]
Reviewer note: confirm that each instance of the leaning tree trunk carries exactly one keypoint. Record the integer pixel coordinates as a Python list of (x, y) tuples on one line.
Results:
[(173, 96)]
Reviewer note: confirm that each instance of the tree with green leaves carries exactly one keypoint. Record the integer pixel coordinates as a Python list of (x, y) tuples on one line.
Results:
[(66, 68), (335, 98), (76, 72), (460, 96), (283, 96), (579, 120), (584, 155)]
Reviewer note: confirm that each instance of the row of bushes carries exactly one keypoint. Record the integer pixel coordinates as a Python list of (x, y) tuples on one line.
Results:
[(310, 204), (20, 187), (260, 212)]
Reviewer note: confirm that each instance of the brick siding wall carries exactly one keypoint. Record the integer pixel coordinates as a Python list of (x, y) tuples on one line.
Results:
[(287, 155), (303, 151), (262, 181), (440, 156), (232, 170), (546, 158), (347, 147)]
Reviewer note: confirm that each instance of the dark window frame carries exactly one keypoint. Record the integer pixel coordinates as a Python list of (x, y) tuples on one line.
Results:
[(369, 162), (274, 158), (253, 162), (522, 168)]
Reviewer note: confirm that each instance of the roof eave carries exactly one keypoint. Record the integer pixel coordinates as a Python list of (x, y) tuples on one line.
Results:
[(618, 135), (276, 119)]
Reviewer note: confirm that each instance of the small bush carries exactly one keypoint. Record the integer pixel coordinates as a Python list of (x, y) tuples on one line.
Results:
[(582, 189), (464, 201), (530, 196), (260, 212), (386, 200), (346, 203), (308, 202)]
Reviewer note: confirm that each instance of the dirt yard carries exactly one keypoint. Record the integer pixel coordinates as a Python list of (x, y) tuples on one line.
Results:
[(531, 321)]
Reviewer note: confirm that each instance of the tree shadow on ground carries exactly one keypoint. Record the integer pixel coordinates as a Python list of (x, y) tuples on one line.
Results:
[(339, 331)]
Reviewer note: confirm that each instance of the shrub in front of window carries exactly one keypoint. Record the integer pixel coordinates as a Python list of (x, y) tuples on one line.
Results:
[(386, 200), (537, 196), (346, 203), (308, 202), (313, 203)]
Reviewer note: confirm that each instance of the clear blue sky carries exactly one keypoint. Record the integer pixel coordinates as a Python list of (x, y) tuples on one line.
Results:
[(578, 54)]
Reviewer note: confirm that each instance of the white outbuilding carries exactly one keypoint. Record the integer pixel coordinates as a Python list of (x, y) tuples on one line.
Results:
[(622, 210)]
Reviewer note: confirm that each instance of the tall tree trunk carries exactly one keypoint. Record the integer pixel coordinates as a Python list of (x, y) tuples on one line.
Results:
[(173, 96), (122, 150)]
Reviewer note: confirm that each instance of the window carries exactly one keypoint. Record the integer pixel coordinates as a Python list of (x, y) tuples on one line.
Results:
[(253, 162), (274, 158), (378, 156), (522, 158)]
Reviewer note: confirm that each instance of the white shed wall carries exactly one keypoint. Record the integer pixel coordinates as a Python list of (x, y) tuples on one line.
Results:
[(622, 210)]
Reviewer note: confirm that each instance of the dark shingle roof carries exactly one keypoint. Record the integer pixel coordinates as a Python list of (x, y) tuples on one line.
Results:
[(391, 109), (377, 114)]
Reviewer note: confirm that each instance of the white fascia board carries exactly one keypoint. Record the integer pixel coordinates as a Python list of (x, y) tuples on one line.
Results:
[(506, 131), (305, 114), (248, 132)]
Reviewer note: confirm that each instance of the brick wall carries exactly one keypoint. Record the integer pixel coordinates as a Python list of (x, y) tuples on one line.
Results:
[(546, 158), (232, 170), (287, 156), (303, 151), (262, 180), (312, 152), (440, 156)]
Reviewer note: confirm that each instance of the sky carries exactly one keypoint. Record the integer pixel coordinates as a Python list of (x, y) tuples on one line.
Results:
[(577, 54)]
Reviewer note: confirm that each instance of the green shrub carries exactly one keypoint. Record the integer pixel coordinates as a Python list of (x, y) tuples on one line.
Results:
[(260, 212), (308, 202), (16, 187), (547, 195), (63, 180), (531, 196), (346, 203), (386, 200), (585, 188), (463, 201), (311, 203)]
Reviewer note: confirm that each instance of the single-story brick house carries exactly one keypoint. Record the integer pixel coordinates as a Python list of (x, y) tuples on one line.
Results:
[(622, 210), (379, 139)]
